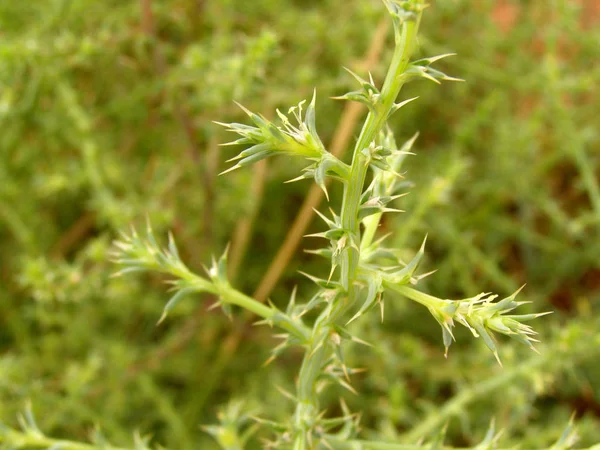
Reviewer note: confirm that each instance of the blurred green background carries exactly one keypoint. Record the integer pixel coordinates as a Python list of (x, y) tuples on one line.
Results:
[(106, 113)]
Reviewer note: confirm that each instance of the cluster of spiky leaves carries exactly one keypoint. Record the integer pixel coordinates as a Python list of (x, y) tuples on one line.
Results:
[(480, 314), (138, 254), (266, 138)]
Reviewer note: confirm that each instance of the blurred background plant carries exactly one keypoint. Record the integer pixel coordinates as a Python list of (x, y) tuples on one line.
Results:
[(106, 110)]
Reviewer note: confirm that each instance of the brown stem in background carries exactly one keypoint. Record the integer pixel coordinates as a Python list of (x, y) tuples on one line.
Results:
[(147, 17), (209, 180), (343, 133), (245, 226)]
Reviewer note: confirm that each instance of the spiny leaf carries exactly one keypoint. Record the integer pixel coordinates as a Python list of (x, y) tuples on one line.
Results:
[(374, 292)]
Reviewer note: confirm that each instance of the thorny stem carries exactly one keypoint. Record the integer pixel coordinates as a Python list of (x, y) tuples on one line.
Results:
[(337, 147), (319, 348), (417, 296), (235, 297), (373, 124), (232, 296)]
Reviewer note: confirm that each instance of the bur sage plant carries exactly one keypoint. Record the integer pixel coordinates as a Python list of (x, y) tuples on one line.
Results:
[(362, 268)]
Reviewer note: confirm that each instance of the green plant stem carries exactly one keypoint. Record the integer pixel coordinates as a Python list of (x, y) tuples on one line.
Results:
[(417, 296), (373, 124), (235, 297), (232, 296), (319, 349)]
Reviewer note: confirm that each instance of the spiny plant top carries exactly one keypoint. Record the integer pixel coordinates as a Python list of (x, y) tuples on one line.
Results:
[(362, 268)]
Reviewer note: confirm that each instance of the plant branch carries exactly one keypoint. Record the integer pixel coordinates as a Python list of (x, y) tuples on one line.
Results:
[(320, 349), (138, 254), (245, 225)]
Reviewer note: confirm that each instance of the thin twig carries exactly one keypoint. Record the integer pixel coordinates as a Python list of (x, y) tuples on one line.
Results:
[(209, 181), (245, 226)]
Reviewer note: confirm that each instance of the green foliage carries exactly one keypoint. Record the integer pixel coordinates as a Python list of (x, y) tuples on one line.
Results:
[(106, 119)]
